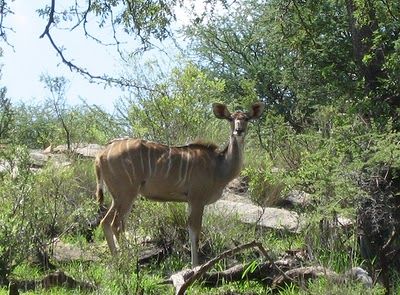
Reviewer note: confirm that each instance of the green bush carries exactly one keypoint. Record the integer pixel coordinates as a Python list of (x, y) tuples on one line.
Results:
[(37, 206), (350, 168), (18, 231), (179, 111), (65, 196)]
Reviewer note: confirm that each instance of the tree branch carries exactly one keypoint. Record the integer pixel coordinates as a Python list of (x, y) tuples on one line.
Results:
[(121, 82), (4, 10), (185, 278)]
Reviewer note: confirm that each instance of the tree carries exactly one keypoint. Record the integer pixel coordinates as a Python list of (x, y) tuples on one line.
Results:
[(57, 101), (178, 112), (6, 116), (148, 22), (6, 109), (302, 54), (4, 12), (35, 126), (337, 62)]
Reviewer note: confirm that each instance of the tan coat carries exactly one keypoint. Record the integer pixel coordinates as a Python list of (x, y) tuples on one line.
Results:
[(196, 174)]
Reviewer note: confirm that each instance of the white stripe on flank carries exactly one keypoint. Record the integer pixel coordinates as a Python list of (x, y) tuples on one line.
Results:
[(149, 161), (141, 158), (190, 171), (156, 163), (123, 160), (177, 183), (130, 159), (169, 163), (108, 158), (186, 169)]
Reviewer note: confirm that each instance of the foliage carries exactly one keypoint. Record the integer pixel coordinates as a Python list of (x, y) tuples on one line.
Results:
[(38, 126), (6, 116), (301, 55), (18, 235), (34, 127), (350, 169), (328, 72), (38, 206), (180, 111)]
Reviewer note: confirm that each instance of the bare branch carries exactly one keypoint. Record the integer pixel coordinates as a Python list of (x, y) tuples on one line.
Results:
[(386, 3), (115, 33), (4, 10), (185, 278), (51, 19), (57, 278), (121, 82), (83, 19)]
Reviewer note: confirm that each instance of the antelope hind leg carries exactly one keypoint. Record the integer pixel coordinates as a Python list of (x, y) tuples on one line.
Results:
[(108, 230)]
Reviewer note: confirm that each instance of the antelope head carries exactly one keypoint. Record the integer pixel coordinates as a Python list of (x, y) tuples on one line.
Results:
[(238, 120)]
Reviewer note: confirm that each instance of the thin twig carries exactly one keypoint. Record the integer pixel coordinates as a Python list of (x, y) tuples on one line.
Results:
[(185, 278), (73, 67)]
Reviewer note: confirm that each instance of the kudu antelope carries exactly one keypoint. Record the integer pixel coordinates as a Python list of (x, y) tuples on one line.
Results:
[(196, 174)]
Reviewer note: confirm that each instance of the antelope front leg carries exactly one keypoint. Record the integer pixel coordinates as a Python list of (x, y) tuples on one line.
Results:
[(194, 224)]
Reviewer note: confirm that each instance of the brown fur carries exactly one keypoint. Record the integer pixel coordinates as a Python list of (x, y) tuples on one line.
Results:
[(99, 191), (195, 173), (203, 144)]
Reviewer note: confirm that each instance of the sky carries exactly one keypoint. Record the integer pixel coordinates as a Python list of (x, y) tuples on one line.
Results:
[(31, 57)]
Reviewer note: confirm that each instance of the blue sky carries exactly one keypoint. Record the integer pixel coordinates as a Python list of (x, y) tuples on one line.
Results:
[(32, 56)]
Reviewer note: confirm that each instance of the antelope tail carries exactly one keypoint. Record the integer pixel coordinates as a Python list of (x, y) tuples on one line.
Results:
[(100, 182)]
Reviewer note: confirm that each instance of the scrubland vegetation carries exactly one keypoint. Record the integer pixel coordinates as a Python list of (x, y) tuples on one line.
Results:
[(328, 72)]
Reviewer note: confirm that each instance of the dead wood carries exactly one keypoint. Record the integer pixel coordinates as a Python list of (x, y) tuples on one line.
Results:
[(263, 272), (154, 253), (302, 274), (185, 278), (271, 273), (54, 279)]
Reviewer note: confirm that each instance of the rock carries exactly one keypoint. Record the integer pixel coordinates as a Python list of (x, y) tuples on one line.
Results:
[(48, 150), (238, 185), (38, 159), (274, 218), (360, 275), (90, 150), (4, 167), (63, 252), (85, 150), (228, 195), (296, 198)]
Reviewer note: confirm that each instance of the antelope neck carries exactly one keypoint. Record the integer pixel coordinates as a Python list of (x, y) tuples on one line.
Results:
[(232, 159)]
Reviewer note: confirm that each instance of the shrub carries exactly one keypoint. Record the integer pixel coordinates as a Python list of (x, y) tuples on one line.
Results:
[(37, 206), (18, 232), (336, 159)]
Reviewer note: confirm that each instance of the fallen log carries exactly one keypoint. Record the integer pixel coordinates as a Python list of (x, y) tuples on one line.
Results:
[(301, 275), (271, 273), (185, 278)]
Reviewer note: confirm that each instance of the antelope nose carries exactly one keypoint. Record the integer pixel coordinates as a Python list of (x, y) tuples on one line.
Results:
[(238, 131)]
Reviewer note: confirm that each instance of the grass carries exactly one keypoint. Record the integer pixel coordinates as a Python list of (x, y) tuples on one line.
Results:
[(165, 223), (123, 276)]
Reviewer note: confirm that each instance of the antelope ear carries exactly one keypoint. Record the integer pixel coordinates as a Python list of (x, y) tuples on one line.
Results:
[(256, 110), (221, 111)]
